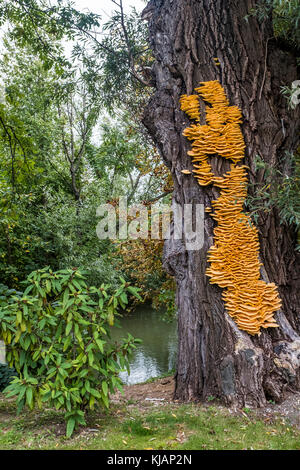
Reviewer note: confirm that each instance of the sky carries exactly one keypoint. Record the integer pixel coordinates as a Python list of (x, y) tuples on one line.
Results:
[(104, 7)]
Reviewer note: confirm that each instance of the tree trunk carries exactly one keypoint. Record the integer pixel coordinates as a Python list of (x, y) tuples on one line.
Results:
[(215, 358)]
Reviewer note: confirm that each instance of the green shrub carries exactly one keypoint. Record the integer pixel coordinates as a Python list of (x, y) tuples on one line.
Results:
[(57, 336)]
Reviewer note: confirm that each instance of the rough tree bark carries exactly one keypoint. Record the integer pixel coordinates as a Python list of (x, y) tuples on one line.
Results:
[(214, 356)]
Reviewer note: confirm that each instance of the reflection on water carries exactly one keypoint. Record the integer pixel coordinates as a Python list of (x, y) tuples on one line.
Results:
[(157, 353)]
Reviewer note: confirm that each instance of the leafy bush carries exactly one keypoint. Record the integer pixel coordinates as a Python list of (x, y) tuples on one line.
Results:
[(57, 336)]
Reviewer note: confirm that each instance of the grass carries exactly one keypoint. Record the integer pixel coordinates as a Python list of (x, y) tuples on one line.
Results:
[(166, 426)]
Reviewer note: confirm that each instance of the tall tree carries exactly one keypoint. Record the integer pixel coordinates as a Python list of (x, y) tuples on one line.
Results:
[(202, 40), (78, 113)]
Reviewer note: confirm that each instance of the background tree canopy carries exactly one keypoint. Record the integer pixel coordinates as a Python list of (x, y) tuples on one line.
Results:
[(71, 136)]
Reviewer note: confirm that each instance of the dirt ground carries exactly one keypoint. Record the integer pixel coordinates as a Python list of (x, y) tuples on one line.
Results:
[(161, 392)]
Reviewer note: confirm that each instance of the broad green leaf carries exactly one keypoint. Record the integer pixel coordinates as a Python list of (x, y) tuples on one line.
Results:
[(70, 427), (104, 387), (69, 328), (66, 297), (29, 397)]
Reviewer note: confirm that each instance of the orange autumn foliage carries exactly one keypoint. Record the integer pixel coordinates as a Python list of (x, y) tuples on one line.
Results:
[(141, 259), (234, 257)]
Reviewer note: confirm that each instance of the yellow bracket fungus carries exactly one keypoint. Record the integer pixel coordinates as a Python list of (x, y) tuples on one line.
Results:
[(234, 257)]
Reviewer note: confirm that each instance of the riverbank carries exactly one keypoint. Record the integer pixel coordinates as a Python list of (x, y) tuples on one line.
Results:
[(145, 417), (160, 391)]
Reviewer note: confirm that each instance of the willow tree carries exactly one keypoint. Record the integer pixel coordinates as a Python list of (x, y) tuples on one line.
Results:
[(196, 41)]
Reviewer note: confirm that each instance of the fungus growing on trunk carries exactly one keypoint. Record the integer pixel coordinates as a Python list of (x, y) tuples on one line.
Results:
[(234, 257)]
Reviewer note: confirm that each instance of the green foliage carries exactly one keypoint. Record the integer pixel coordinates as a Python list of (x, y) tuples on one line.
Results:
[(42, 25), (6, 376), (279, 189), (6, 295), (58, 161), (23, 244), (40, 222), (6, 373), (165, 301), (124, 58), (56, 169), (292, 94), (285, 17), (57, 335)]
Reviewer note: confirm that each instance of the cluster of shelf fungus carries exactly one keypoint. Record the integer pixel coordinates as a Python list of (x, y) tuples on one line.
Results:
[(234, 257)]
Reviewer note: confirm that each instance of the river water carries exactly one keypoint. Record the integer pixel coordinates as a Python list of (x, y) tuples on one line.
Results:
[(156, 355)]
